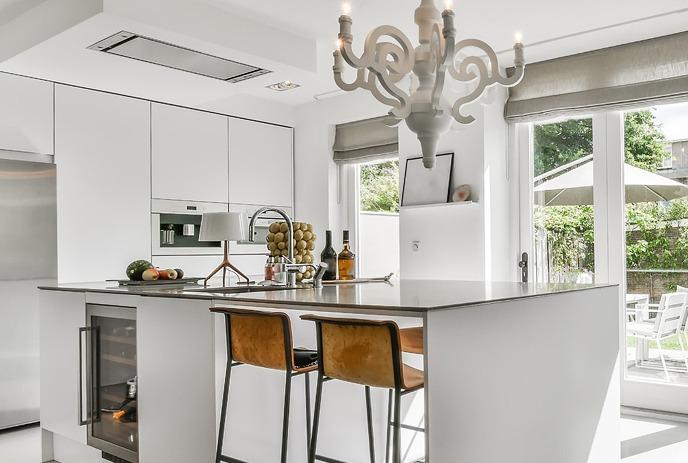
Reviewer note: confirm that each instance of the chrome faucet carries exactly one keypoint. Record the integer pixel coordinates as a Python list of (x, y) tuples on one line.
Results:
[(292, 268)]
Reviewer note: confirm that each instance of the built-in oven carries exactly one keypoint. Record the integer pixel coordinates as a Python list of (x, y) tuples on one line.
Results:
[(176, 227), (108, 381), (259, 245)]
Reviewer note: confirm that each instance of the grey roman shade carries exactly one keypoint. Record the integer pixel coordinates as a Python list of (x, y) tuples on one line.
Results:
[(626, 76), (365, 141)]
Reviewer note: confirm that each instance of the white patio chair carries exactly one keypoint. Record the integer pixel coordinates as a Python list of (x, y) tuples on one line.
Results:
[(684, 323), (670, 312)]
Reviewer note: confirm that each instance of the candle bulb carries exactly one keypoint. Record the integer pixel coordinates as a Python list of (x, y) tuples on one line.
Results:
[(448, 5), (346, 9), (518, 37)]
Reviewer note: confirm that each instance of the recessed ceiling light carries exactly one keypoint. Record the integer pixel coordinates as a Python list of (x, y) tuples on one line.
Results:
[(283, 86)]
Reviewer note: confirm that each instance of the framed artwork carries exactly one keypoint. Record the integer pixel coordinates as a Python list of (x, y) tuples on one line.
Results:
[(427, 186)]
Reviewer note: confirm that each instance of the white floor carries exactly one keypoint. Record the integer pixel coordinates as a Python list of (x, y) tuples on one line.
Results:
[(643, 440)]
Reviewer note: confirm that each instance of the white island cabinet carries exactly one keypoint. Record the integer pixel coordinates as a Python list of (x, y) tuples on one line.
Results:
[(260, 163), (26, 119), (102, 152), (189, 154)]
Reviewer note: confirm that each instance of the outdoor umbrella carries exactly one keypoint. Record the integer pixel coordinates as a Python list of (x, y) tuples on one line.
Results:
[(574, 187)]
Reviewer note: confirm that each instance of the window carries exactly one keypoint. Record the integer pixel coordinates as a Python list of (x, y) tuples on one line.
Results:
[(378, 218)]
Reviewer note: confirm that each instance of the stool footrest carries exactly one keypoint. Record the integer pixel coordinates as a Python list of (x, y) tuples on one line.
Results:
[(230, 459), (408, 426), (327, 459)]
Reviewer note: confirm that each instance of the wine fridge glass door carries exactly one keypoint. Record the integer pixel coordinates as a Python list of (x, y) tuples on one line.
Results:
[(113, 425)]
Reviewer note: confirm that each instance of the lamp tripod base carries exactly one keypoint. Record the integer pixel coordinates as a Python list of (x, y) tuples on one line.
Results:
[(226, 264)]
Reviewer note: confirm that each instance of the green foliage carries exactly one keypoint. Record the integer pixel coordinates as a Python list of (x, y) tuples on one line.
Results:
[(379, 187), (561, 143), (570, 235)]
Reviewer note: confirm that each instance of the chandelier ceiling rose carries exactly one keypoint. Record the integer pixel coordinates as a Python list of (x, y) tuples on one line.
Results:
[(385, 63)]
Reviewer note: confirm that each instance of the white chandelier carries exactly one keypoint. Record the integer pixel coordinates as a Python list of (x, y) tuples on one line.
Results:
[(384, 64)]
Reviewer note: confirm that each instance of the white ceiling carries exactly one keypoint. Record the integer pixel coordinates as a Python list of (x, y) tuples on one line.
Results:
[(295, 39)]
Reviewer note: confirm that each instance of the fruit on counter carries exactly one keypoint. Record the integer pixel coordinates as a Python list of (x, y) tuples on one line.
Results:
[(180, 273), (135, 269), (168, 274), (150, 274)]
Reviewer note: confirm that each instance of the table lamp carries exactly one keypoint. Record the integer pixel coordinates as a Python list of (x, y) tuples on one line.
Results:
[(225, 227)]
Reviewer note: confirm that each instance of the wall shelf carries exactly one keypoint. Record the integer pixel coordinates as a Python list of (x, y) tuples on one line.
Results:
[(436, 205)]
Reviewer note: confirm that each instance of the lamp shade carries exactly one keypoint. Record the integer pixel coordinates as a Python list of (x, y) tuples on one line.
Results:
[(223, 226)]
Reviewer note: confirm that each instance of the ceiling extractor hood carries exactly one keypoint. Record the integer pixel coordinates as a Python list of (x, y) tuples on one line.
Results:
[(155, 51)]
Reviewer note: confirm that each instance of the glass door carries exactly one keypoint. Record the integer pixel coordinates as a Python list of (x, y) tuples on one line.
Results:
[(112, 398), (656, 216)]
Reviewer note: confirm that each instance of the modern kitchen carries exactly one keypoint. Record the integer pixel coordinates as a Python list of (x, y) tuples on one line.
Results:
[(337, 231)]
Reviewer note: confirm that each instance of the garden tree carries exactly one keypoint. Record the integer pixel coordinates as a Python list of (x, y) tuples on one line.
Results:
[(560, 143), (380, 187)]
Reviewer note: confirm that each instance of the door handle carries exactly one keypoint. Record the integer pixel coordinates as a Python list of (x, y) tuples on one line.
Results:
[(82, 331), (523, 264)]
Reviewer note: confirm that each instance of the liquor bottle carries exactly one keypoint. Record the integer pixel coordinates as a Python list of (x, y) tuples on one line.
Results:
[(346, 260), (329, 257)]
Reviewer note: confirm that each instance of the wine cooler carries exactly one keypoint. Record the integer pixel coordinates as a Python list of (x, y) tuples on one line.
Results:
[(108, 382)]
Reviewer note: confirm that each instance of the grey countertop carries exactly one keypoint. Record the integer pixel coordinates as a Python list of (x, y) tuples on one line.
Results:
[(401, 295)]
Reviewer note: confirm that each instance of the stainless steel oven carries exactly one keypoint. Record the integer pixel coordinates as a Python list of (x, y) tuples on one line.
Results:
[(176, 226), (108, 379), (259, 246)]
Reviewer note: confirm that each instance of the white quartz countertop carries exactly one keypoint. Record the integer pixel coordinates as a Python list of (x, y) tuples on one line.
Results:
[(401, 295)]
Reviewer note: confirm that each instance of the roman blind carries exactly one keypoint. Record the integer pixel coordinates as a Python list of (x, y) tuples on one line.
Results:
[(625, 76), (365, 141)]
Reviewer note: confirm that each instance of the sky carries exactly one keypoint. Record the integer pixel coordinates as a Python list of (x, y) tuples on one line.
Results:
[(674, 120)]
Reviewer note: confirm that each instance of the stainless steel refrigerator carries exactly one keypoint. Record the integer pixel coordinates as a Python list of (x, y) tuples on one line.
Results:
[(28, 258)]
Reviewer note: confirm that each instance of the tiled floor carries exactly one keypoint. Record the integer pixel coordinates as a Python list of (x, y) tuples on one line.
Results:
[(643, 440)]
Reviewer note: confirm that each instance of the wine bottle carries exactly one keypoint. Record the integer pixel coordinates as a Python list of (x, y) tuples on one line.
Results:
[(346, 261), (329, 257)]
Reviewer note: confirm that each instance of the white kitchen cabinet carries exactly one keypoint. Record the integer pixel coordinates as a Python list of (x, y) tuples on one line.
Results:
[(62, 313), (260, 163), (103, 183), (189, 158), (26, 115)]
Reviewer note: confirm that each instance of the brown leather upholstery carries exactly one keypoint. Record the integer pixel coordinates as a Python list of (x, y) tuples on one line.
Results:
[(412, 340), (258, 338), (364, 352)]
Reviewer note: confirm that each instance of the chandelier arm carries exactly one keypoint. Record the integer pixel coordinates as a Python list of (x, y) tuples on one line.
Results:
[(484, 81), (445, 39), (359, 82)]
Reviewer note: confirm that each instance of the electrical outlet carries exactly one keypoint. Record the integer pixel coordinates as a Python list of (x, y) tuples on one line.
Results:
[(415, 246)]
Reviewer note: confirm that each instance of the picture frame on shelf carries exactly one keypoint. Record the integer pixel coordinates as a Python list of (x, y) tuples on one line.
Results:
[(424, 186)]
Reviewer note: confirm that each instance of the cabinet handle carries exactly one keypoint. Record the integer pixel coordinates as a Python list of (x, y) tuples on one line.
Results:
[(83, 330)]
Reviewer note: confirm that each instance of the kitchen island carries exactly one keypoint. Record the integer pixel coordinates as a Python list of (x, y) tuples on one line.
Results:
[(504, 367)]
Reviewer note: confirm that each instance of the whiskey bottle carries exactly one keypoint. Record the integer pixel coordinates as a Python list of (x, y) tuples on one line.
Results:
[(346, 261)]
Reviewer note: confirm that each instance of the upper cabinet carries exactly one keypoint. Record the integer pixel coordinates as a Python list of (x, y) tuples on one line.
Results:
[(26, 114), (190, 154), (260, 164), (102, 152)]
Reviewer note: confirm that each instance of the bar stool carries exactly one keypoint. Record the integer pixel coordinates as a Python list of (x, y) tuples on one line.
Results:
[(264, 339), (412, 340), (366, 352)]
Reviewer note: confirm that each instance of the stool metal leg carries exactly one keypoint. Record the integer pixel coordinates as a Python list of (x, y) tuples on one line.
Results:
[(396, 454), (285, 421), (369, 415), (225, 397), (389, 425), (316, 419), (307, 382)]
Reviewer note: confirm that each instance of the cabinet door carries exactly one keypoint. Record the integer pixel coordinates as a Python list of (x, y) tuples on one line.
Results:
[(260, 164), (26, 118), (61, 315), (189, 154), (103, 183)]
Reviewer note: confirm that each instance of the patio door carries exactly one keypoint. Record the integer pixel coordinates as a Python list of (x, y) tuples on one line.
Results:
[(574, 228)]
